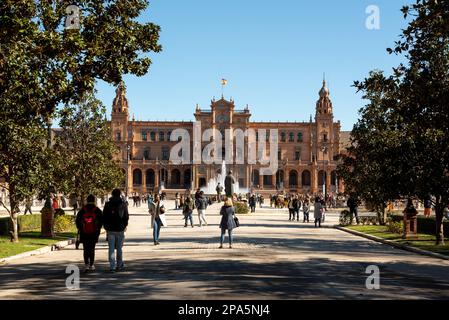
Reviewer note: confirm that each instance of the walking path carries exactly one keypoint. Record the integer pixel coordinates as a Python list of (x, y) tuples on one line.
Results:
[(272, 259)]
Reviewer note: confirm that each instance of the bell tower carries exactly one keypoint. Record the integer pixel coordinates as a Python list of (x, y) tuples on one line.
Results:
[(324, 139), (119, 118)]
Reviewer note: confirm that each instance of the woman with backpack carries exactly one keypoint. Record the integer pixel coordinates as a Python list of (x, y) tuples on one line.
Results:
[(89, 221)]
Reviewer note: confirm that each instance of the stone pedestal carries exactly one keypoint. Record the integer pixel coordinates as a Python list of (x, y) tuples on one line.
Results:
[(410, 227), (47, 222)]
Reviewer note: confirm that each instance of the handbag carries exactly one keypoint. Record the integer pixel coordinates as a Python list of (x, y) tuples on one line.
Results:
[(237, 222)]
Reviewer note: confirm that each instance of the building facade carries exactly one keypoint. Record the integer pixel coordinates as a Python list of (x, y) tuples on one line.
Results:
[(307, 152)]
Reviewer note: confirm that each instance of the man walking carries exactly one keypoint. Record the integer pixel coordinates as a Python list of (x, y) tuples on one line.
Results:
[(28, 205), (189, 205), (201, 205), (353, 208), (115, 218), (252, 203)]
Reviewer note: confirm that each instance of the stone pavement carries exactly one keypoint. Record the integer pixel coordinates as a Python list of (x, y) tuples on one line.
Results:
[(272, 259)]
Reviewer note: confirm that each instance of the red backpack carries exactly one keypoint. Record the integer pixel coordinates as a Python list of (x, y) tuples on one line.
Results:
[(89, 223)]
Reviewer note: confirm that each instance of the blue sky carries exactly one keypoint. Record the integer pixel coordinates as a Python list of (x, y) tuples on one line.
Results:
[(273, 53)]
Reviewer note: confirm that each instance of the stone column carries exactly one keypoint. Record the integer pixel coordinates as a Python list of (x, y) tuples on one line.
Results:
[(314, 173), (144, 181)]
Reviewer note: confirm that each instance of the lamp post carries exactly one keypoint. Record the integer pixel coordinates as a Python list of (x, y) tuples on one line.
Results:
[(128, 149), (324, 150)]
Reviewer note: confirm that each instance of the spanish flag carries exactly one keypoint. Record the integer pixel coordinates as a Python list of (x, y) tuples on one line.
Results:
[(224, 82)]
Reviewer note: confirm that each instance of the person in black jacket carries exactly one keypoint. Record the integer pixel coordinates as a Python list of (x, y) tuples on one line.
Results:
[(89, 221), (201, 205), (115, 219)]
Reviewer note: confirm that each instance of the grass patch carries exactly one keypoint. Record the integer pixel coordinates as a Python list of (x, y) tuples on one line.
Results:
[(29, 241), (425, 241)]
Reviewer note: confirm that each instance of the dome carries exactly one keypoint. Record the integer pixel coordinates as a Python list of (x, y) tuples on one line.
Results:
[(324, 92)]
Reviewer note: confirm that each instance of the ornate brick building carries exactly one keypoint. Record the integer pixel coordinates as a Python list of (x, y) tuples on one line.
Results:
[(307, 150)]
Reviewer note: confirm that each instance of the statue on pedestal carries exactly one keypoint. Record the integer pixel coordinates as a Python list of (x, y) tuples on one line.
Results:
[(229, 184)]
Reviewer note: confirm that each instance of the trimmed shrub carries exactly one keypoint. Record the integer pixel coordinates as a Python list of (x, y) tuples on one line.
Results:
[(425, 225), (64, 223), (29, 222), (345, 218), (59, 212), (395, 227), (371, 220), (241, 208)]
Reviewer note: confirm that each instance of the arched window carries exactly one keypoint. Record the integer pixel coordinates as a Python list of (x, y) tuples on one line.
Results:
[(161, 136), (187, 178), (305, 177), (299, 136), (256, 178), (293, 178), (268, 181), (322, 177), (150, 177), (291, 137), (146, 154), (176, 177), (153, 136), (334, 178), (118, 136), (137, 177), (144, 135), (283, 137)]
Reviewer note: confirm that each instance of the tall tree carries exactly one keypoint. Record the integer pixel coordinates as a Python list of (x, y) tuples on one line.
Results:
[(411, 133), (53, 51), (22, 152), (84, 151)]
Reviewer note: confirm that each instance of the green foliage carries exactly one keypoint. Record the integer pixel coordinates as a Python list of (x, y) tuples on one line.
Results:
[(25, 223), (395, 227), (241, 208), (345, 218), (369, 220), (43, 65), (400, 146), (64, 223), (59, 212), (84, 151), (425, 225)]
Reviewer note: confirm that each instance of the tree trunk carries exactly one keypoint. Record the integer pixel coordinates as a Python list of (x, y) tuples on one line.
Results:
[(439, 231), (14, 227)]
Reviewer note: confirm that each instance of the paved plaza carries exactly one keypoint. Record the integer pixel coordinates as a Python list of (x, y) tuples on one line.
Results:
[(272, 259)]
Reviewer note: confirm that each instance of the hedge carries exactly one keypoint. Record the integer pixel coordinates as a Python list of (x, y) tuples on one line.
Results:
[(33, 222), (425, 225)]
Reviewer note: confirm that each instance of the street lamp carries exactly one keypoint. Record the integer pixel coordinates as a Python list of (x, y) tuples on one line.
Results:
[(128, 149), (324, 150)]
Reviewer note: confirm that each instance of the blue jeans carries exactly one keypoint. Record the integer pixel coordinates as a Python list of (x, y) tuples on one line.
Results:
[(223, 232), (157, 229), (188, 216), (115, 242)]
